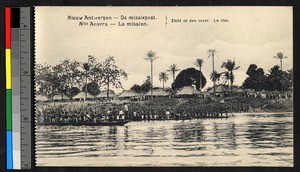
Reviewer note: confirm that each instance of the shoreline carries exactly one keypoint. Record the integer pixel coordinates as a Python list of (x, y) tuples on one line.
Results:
[(255, 105), (160, 108)]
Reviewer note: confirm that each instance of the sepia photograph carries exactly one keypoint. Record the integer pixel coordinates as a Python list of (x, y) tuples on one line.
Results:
[(164, 86)]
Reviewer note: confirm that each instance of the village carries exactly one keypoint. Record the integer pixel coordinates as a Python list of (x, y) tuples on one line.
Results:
[(60, 102), (191, 87), (186, 92)]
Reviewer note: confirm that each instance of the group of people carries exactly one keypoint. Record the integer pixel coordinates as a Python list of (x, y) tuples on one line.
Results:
[(132, 112)]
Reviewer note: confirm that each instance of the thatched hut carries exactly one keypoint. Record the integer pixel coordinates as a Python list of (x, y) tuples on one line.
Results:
[(158, 92), (81, 97), (41, 98), (60, 97), (251, 93), (220, 90), (103, 95), (187, 91), (239, 91), (129, 94)]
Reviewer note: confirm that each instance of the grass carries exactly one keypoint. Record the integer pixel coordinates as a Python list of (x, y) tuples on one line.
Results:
[(261, 105), (255, 103)]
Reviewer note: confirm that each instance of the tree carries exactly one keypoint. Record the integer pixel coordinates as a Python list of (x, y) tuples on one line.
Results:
[(137, 88), (199, 63), (92, 88), (275, 78), (287, 80), (112, 74), (43, 81), (86, 67), (68, 75), (173, 68), (92, 71), (189, 77), (280, 80), (71, 92), (288, 75), (163, 76), (146, 86), (69, 69), (212, 53), (256, 79), (215, 76), (151, 56), (230, 66), (280, 56), (226, 78)]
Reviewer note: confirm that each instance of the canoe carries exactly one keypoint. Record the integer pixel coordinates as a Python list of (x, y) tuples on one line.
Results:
[(112, 123)]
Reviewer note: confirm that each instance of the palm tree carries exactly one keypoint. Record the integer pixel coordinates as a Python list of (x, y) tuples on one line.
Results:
[(280, 56), (163, 76), (173, 68), (215, 76), (230, 66), (226, 78), (199, 63), (151, 56), (218, 76), (212, 53)]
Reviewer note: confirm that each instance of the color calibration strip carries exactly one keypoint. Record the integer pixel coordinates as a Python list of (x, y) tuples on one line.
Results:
[(9, 137), (17, 39), (25, 87), (15, 69)]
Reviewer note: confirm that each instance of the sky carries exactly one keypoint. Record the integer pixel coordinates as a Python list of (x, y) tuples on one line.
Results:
[(252, 35)]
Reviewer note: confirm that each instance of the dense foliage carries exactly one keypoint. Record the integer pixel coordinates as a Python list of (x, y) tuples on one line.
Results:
[(144, 88), (276, 80), (70, 75), (189, 77)]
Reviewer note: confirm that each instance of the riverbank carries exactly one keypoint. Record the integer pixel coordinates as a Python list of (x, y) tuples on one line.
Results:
[(254, 104), (235, 103)]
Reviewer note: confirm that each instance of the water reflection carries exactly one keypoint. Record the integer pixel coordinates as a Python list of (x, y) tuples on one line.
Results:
[(245, 140), (193, 132), (225, 136), (269, 134)]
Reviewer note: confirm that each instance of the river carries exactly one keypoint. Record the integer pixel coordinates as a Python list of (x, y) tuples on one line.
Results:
[(242, 140)]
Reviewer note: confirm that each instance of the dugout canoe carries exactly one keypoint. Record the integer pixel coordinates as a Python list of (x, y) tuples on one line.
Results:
[(111, 123)]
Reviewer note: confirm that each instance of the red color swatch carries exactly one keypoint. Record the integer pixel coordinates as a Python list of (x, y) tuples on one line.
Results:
[(7, 28)]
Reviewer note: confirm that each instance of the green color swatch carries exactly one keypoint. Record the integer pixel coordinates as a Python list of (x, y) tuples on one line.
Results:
[(8, 109)]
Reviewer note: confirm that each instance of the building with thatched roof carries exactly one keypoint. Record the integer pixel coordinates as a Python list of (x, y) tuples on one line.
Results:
[(41, 98), (158, 92), (239, 91), (252, 93), (129, 94), (272, 94), (81, 96), (60, 97), (187, 91), (220, 90), (103, 95)]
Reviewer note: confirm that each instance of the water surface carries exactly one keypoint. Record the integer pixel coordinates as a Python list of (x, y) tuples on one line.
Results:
[(241, 140)]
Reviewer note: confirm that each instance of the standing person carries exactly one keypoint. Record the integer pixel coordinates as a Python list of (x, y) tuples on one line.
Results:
[(109, 115), (168, 114), (126, 111), (121, 115), (114, 114)]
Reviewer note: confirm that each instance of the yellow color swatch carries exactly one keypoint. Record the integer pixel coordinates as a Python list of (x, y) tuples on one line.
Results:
[(8, 68)]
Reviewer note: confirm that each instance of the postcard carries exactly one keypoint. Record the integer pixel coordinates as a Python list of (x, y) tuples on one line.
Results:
[(164, 86)]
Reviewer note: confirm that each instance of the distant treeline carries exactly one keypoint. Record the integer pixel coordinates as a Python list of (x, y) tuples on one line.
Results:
[(275, 80), (70, 77)]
